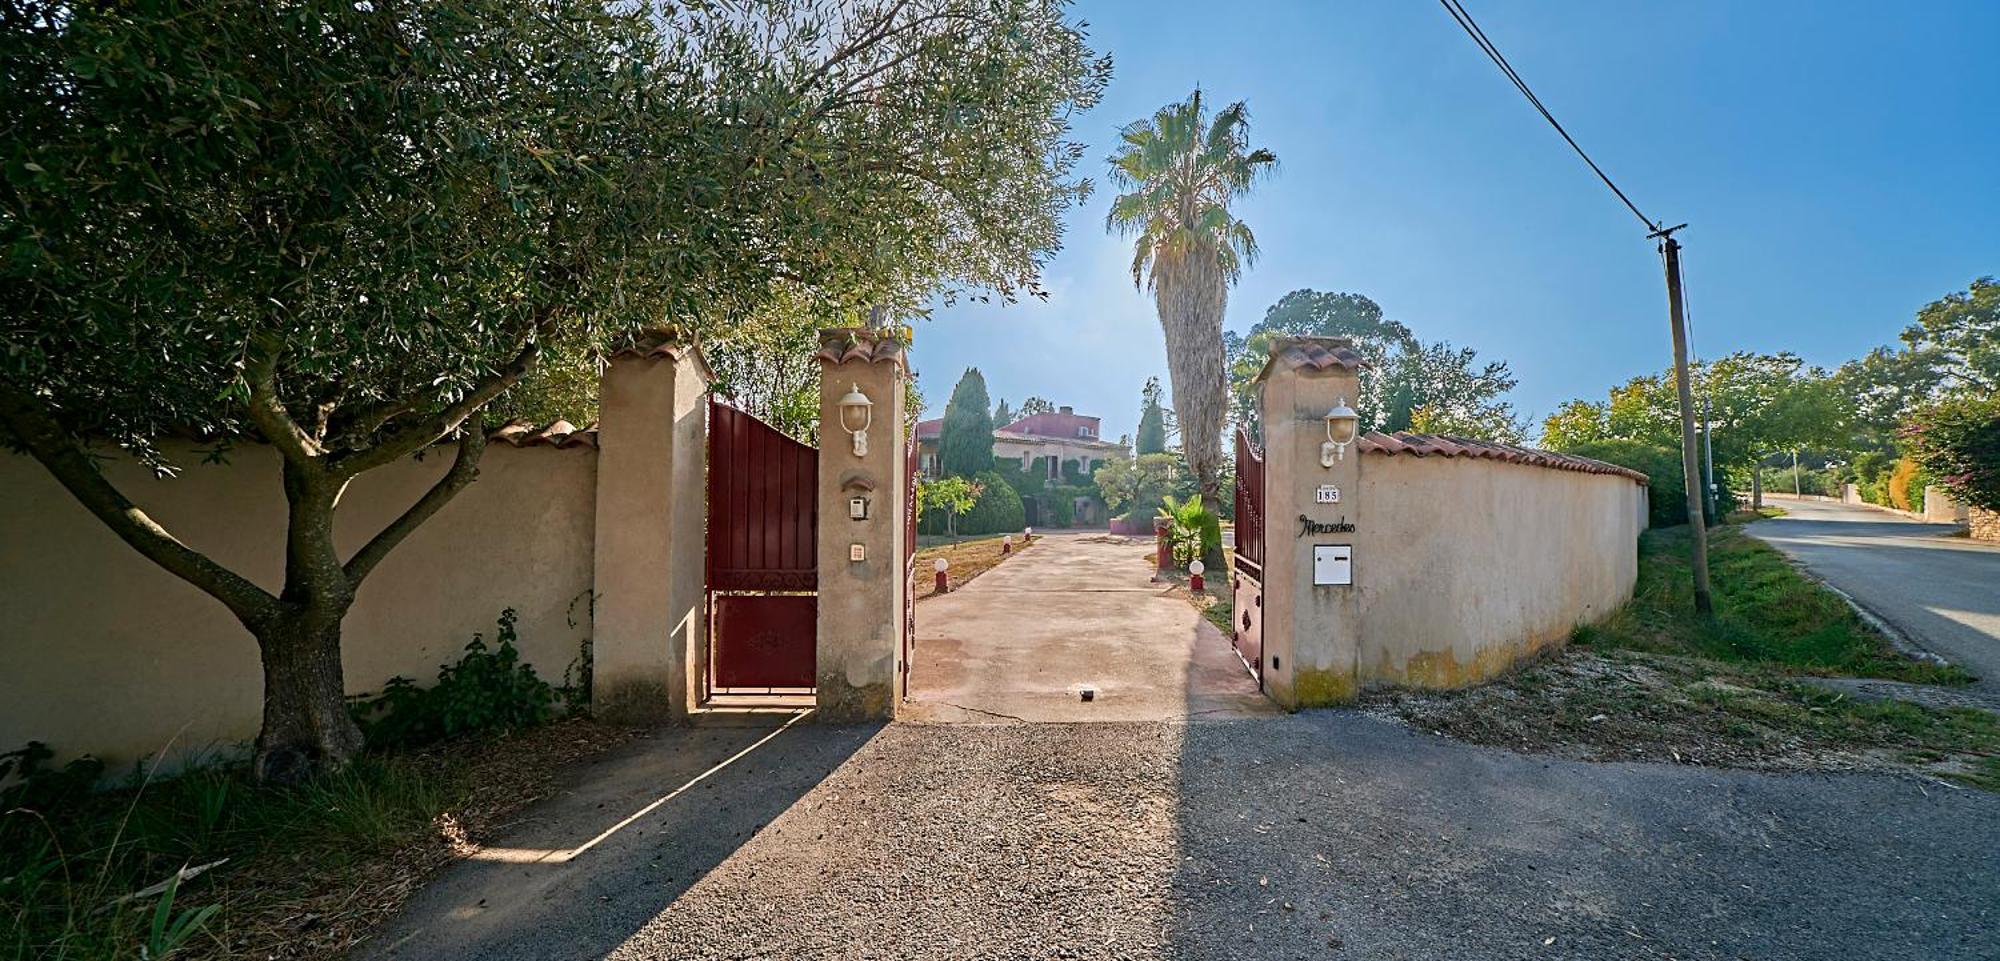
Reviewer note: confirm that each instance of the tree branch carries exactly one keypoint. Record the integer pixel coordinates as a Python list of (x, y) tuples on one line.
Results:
[(35, 427), (464, 469), (411, 439), (268, 412)]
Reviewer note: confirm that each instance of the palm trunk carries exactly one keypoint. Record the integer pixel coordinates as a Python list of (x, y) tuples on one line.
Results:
[(1191, 295)]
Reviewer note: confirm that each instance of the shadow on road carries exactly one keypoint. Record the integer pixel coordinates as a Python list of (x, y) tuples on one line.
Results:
[(636, 829), (1332, 835)]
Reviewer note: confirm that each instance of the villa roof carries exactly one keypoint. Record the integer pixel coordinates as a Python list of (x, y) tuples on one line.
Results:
[(930, 429), (1047, 439), (1425, 445), (1061, 424)]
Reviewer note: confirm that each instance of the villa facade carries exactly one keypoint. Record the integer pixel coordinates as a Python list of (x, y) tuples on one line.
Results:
[(1052, 440)]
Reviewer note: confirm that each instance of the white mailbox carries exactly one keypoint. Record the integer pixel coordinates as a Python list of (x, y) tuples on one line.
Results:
[(1333, 564)]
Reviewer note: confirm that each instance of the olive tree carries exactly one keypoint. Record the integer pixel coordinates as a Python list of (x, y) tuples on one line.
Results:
[(352, 232)]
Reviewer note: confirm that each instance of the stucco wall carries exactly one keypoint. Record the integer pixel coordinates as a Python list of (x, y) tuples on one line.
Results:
[(1463, 566), (101, 651), (1941, 508)]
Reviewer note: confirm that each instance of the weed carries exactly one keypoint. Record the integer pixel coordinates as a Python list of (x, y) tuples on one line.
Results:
[(486, 691)]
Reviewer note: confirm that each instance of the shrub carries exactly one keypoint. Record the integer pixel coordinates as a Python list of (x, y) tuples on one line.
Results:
[(998, 510), (1957, 442), (1022, 481), (1900, 486), (486, 691), (1193, 531), (1667, 495), (37, 786)]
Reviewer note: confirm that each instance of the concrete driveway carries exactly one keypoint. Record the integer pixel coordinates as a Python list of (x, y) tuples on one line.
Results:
[(1942, 592), (1075, 610), (1326, 834)]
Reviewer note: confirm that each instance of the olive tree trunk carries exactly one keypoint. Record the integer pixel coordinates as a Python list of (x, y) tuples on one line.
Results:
[(307, 727)]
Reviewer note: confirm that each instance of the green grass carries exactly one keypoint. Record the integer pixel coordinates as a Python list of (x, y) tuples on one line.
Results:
[(1767, 614), (64, 869)]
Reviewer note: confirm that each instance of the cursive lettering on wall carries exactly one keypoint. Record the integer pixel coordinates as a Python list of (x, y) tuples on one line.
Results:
[(1309, 526)]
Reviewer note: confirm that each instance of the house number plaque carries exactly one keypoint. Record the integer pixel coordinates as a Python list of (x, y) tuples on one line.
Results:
[(1326, 494)]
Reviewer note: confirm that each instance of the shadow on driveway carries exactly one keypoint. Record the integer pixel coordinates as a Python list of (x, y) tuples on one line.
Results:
[(635, 830)]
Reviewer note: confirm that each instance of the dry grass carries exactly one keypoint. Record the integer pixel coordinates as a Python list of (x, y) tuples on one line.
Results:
[(969, 559), (1656, 682)]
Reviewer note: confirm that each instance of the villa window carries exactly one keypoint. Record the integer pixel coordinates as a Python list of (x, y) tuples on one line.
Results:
[(1083, 431)]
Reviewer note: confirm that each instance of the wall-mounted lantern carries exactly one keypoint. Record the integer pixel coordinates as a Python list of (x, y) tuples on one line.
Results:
[(1342, 424), (857, 414)]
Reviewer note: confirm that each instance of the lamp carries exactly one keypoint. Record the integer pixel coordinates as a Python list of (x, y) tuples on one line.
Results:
[(857, 408), (1342, 424)]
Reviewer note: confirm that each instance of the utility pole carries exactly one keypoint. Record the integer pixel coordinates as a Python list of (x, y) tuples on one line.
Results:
[(1690, 458), (1707, 456), (1795, 474)]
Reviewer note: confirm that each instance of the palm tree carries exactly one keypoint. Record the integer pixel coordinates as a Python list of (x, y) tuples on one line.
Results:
[(1179, 169)]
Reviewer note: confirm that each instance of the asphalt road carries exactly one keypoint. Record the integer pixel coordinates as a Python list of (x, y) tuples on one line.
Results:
[(1942, 592), (1322, 835)]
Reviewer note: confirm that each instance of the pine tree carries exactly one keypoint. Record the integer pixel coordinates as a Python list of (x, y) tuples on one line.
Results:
[(1152, 420), (965, 441)]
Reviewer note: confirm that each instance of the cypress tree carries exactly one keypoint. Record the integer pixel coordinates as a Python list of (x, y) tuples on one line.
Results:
[(1002, 415), (965, 441), (1152, 421)]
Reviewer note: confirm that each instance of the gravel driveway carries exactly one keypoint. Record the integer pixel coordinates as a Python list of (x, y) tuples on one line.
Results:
[(1319, 835)]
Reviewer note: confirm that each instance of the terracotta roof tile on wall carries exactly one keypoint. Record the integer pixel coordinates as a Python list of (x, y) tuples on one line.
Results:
[(561, 434), (1319, 353), (665, 344), (1425, 445), (841, 344)]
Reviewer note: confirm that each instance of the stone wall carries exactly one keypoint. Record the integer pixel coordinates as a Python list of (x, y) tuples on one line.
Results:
[(1984, 524)]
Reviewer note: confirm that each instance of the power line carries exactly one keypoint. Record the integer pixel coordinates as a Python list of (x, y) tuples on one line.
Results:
[(1493, 53)]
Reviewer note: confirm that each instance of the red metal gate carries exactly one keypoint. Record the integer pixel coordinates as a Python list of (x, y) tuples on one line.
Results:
[(1248, 563), (909, 557), (763, 555)]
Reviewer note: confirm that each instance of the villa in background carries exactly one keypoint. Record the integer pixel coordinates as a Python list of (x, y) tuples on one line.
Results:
[(1064, 442)]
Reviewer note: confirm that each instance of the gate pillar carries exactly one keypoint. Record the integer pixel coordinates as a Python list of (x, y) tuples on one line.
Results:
[(648, 635), (862, 580), (1311, 630)]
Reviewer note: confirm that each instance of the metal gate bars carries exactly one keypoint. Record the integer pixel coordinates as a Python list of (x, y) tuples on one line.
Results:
[(762, 568)]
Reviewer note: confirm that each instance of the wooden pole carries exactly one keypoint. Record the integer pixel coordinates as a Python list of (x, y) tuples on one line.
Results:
[(1690, 454)]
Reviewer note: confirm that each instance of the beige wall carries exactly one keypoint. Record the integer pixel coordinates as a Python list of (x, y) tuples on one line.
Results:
[(102, 651), (1466, 565), (1941, 508)]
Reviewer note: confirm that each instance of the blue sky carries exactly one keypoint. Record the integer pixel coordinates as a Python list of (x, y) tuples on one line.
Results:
[(1839, 164)]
